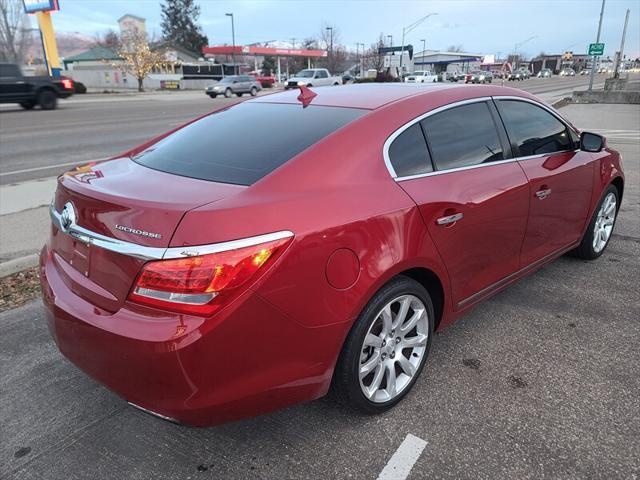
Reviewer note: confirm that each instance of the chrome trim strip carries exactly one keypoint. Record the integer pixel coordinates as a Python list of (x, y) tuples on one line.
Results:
[(394, 135), (155, 414), (541, 105), (496, 286), (453, 170), (180, 252), (158, 253), (108, 243)]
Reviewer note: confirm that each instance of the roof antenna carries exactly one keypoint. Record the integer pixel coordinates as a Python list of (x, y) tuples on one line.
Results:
[(306, 95)]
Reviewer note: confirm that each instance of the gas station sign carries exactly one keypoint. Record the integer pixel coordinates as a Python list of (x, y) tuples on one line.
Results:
[(33, 6)]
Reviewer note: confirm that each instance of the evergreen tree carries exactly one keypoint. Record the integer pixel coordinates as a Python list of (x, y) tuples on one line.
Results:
[(180, 27)]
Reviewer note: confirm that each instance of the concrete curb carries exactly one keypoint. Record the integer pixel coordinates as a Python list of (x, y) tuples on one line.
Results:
[(18, 264), (563, 102)]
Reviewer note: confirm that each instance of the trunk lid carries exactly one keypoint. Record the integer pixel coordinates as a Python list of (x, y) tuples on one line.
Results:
[(126, 201)]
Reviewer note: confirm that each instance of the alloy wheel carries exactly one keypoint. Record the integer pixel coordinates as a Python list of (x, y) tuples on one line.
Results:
[(394, 348), (604, 222)]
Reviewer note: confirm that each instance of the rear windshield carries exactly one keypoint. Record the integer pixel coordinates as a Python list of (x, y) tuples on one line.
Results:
[(242, 144)]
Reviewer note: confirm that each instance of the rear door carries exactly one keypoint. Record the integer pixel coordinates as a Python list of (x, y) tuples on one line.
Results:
[(456, 165), (12, 85), (560, 177), (246, 83)]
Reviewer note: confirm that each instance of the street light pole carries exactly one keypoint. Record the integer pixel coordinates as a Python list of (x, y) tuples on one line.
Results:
[(616, 72), (233, 41), (331, 48), (515, 48), (594, 58), (408, 29), (362, 65), (424, 47), (390, 37)]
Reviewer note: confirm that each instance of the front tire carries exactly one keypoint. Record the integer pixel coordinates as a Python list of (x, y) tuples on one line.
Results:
[(47, 100), (28, 105), (386, 348), (239, 94), (212, 95), (596, 238)]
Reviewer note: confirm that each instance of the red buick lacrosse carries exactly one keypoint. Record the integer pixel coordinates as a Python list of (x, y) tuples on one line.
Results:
[(296, 242)]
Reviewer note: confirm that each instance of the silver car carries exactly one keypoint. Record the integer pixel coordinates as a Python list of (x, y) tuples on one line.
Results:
[(238, 84)]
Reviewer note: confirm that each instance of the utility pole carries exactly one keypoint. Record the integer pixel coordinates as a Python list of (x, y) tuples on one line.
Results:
[(424, 48), (620, 54), (362, 66), (293, 43), (390, 37), (233, 41), (594, 59)]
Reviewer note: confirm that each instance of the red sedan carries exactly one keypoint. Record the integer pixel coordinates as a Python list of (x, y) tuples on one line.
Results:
[(229, 268)]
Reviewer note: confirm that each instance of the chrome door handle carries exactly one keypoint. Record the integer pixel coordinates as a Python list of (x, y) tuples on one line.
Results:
[(542, 194), (449, 219)]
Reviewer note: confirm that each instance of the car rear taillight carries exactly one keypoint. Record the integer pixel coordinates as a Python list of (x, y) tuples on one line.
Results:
[(67, 83), (201, 284)]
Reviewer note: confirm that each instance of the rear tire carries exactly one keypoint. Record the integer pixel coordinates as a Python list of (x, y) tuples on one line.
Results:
[(254, 91), (600, 229), (47, 100), (212, 95), (386, 351), (228, 93)]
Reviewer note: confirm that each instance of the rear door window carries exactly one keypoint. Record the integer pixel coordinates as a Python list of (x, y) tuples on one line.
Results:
[(533, 129), (463, 136), (9, 70), (408, 153), (242, 144)]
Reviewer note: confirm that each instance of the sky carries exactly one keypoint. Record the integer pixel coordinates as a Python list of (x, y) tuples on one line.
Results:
[(479, 26)]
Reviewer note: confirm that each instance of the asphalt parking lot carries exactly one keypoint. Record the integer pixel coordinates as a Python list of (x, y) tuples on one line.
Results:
[(538, 382)]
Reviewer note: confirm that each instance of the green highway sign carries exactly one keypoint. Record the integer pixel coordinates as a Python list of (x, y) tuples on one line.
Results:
[(596, 48)]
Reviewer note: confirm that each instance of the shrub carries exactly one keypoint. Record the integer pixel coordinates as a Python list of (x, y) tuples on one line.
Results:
[(78, 87)]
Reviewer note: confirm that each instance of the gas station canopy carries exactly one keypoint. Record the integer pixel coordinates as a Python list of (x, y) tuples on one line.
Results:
[(266, 51)]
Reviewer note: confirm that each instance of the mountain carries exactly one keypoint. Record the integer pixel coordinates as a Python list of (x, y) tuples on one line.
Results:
[(69, 43)]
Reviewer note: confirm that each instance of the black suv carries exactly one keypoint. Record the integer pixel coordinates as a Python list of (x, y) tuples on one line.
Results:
[(32, 91)]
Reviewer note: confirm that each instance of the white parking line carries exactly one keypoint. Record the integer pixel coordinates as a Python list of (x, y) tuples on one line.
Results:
[(47, 167), (401, 462)]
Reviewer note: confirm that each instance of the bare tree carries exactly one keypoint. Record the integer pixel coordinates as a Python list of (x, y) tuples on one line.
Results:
[(15, 31), (108, 39), (138, 56), (373, 58), (455, 48)]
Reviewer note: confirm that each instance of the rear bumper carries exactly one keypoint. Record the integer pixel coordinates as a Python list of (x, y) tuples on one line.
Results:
[(246, 360)]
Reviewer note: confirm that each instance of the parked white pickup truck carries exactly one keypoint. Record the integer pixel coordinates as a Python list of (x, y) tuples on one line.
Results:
[(422, 76), (312, 77)]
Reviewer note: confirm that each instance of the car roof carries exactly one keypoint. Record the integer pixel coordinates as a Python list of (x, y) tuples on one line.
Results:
[(365, 95)]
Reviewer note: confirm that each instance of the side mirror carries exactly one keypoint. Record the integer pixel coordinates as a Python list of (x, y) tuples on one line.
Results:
[(591, 142)]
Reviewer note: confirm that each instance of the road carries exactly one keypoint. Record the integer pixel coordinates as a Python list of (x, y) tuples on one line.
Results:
[(39, 144), (538, 382)]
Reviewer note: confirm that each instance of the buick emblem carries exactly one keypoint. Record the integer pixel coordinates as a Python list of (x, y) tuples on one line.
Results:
[(67, 216)]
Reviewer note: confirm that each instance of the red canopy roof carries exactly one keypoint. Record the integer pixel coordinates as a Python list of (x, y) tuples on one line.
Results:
[(251, 50)]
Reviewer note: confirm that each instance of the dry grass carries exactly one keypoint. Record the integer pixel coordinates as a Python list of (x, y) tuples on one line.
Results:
[(19, 288)]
